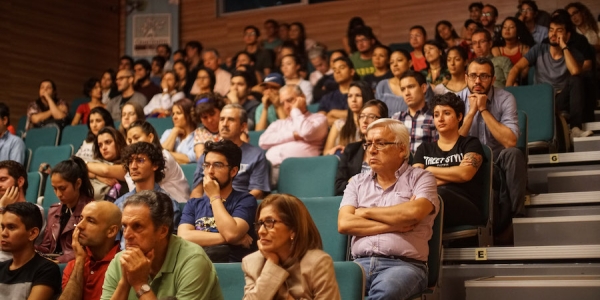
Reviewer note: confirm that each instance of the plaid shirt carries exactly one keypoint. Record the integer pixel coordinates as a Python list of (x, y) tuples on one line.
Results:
[(420, 126)]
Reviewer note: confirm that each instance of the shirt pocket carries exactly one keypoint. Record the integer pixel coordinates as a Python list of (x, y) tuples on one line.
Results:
[(400, 197)]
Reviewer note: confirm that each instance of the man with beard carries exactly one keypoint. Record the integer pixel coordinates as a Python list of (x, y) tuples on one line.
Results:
[(489, 16), (365, 44), (559, 65), (253, 174), (143, 84), (127, 93), (94, 246), (491, 116), (221, 220)]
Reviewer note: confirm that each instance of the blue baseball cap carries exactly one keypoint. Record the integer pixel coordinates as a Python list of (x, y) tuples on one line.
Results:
[(274, 79)]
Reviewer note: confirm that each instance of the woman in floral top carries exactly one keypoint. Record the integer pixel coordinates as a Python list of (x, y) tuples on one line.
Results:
[(207, 110)]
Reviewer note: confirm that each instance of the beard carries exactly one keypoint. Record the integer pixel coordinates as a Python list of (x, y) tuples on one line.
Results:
[(485, 91)]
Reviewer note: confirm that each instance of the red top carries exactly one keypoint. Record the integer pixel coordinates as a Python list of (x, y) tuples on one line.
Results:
[(513, 58), (84, 110), (93, 273), (418, 63)]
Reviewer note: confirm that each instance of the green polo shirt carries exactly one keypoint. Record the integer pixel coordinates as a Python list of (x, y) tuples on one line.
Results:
[(362, 67), (186, 274)]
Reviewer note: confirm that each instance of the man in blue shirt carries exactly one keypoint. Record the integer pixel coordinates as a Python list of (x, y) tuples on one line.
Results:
[(335, 103), (11, 146), (221, 220)]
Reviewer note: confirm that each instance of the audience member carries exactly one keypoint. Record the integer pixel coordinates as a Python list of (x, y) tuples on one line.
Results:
[(334, 105), (220, 221), (94, 246), (290, 68), (365, 42), (183, 82), (436, 72), (108, 83), (388, 90), (301, 134), (482, 46), (445, 35), (155, 263), (212, 61), (348, 40), (270, 110), (287, 48), (475, 11), (290, 263), (244, 61), (542, 18), (345, 131), (318, 58), (105, 170), (418, 118), (264, 57), (130, 113), (253, 174), (470, 27), (179, 140), (529, 11), (557, 64), (582, 18), (354, 158), (417, 38), (491, 116), (73, 189), (99, 118), (272, 41), (93, 91), (456, 61), (160, 105), (455, 162), (240, 94), (515, 40), (142, 83), (27, 275), (204, 83), (12, 147), (393, 206), (193, 57), (164, 51), (48, 108), (489, 16), (327, 83), (179, 55), (174, 183), (208, 109), (297, 35), (381, 63), (284, 31), (157, 69), (128, 94), (126, 63)]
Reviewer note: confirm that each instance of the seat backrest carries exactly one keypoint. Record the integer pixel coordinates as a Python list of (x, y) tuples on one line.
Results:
[(537, 101), (231, 280), (45, 136), (51, 155), (188, 171), (34, 186), (434, 260), (523, 132), (487, 196), (254, 137), (21, 126), (351, 279), (161, 124), (313, 108), (74, 135), (308, 176), (323, 211)]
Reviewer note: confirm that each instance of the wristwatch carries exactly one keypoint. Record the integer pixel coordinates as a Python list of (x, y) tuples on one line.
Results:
[(143, 289)]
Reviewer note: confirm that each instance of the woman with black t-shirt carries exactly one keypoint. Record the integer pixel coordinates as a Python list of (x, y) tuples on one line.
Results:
[(454, 160)]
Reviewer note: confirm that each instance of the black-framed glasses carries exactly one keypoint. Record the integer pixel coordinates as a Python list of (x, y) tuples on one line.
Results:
[(216, 165), (370, 117), (483, 77), (377, 145), (269, 224)]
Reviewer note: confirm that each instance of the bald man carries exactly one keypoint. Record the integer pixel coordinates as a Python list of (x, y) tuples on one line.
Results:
[(125, 86), (94, 246)]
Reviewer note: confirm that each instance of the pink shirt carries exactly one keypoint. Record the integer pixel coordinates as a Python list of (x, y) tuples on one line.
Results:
[(279, 140), (364, 191)]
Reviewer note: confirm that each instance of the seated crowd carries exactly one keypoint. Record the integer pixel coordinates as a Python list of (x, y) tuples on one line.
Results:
[(407, 127)]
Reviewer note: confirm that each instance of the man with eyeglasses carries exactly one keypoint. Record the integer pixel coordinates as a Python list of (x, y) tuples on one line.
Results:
[(489, 16), (125, 81), (481, 42), (528, 13), (365, 42), (264, 57), (301, 134), (491, 116), (220, 221), (389, 213), (418, 118), (542, 17)]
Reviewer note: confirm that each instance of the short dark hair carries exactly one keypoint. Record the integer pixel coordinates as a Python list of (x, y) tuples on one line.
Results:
[(127, 57), (421, 28), (529, 3), (180, 51), (275, 23), (144, 63), (159, 204), (15, 170), (194, 44), (340, 51), (154, 154), (462, 52), (494, 9), (346, 60), (160, 60), (365, 31), (29, 213), (166, 46), (72, 169), (120, 143), (562, 17), (452, 100), (488, 35), (227, 148), (253, 28), (476, 5), (244, 74), (483, 61), (89, 85), (418, 76), (4, 112), (386, 48)]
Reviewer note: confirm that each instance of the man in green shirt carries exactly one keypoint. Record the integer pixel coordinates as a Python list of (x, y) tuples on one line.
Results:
[(365, 43), (156, 264)]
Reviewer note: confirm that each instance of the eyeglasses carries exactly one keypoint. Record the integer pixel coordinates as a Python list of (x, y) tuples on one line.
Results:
[(370, 117), (122, 77), (482, 77), (526, 10), (250, 33), (138, 160), (216, 165), (486, 15), (269, 224), (378, 145), (479, 42)]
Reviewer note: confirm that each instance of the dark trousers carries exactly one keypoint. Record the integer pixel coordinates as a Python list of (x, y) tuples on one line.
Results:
[(458, 208), (572, 99), (510, 183)]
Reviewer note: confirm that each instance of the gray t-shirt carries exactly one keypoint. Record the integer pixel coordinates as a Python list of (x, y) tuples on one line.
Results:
[(547, 69)]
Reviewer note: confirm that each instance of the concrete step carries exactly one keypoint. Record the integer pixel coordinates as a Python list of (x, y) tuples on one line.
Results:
[(454, 276), (492, 255), (564, 198), (574, 181), (555, 231), (583, 144), (538, 175), (593, 126), (561, 211), (534, 287), (564, 158)]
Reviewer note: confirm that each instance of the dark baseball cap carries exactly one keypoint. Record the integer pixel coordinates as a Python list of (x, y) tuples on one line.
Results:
[(274, 79)]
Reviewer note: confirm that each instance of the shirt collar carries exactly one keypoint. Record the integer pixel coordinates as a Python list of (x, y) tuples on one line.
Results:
[(109, 256)]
